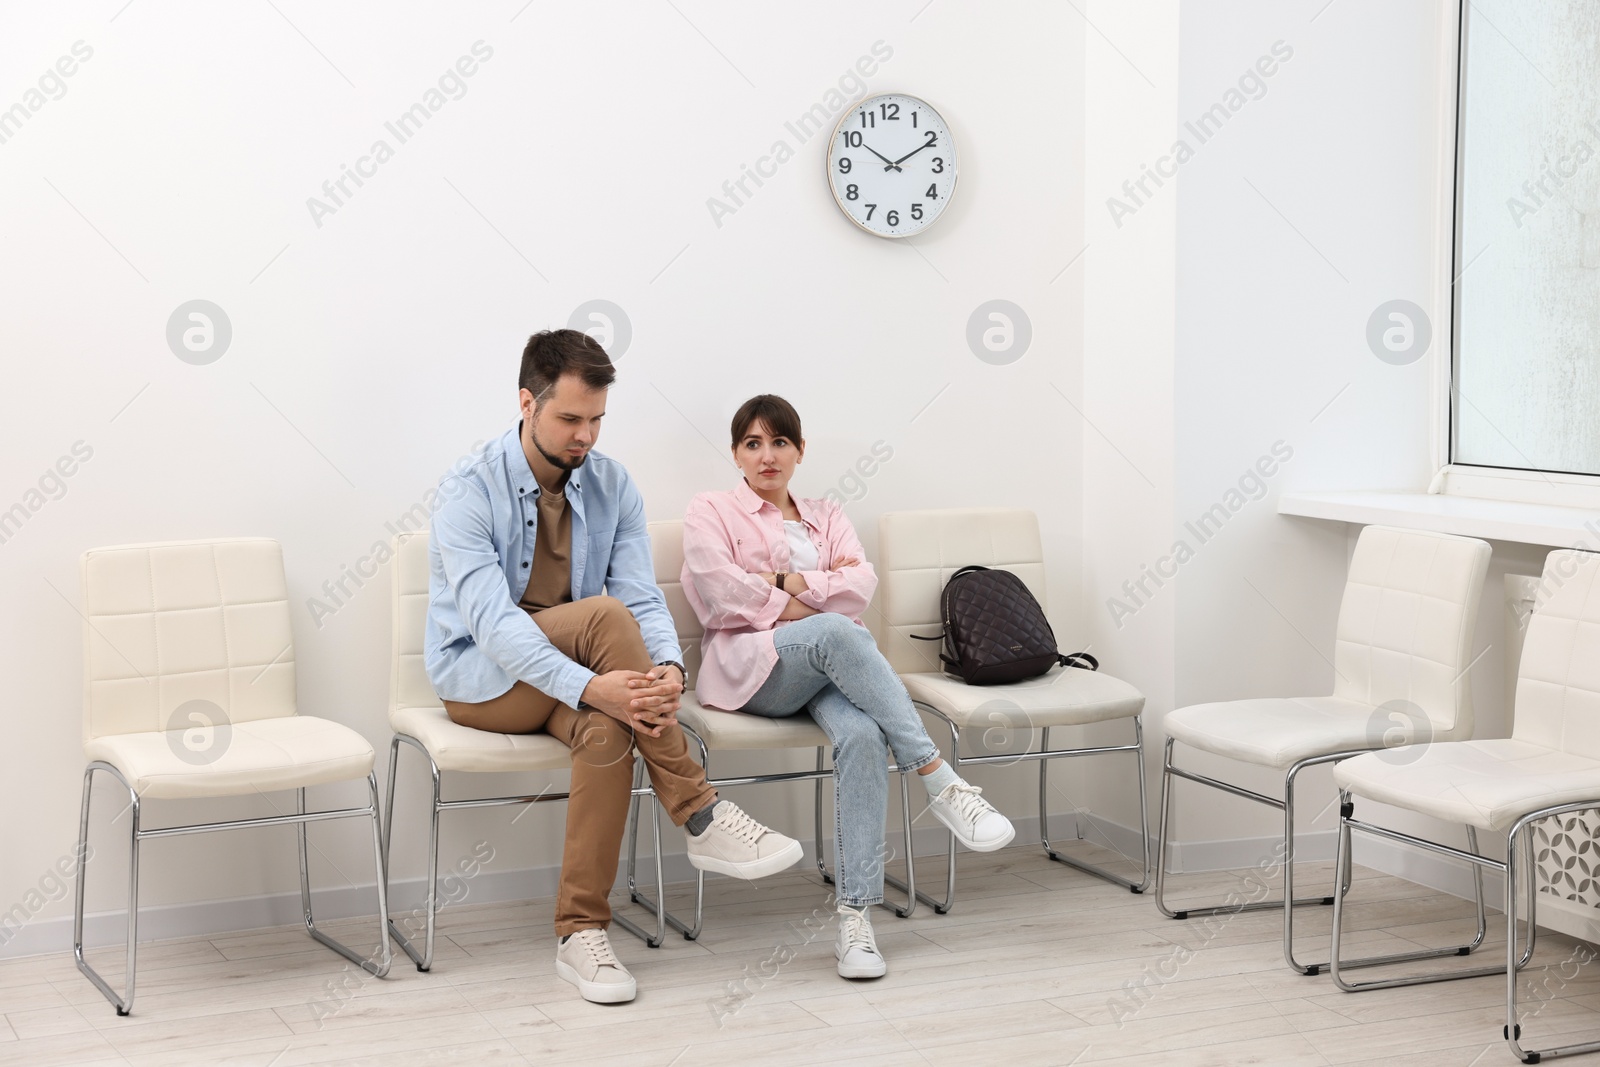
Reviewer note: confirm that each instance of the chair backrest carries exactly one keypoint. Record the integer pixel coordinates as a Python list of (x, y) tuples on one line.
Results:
[(918, 551), (409, 686), (170, 623), (1558, 681), (666, 549), (1405, 624)]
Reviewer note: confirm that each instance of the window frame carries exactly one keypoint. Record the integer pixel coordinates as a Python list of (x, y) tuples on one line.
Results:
[(1524, 484)]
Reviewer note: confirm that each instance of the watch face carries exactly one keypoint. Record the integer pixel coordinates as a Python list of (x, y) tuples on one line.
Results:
[(892, 165)]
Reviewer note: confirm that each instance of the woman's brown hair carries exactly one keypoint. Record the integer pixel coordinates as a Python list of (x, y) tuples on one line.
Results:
[(780, 417)]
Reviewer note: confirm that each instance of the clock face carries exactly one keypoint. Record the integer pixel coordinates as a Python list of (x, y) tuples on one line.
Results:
[(892, 165)]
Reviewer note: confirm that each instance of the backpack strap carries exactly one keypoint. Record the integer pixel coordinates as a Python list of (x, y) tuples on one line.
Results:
[(1079, 659)]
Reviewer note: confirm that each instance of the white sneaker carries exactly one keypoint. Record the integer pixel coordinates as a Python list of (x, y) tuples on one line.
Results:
[(737, 845), (586, 960), (857, 948), (971, 818)]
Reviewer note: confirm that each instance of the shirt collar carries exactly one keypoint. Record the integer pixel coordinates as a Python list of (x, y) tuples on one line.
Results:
[(753, 504), (521, 471)]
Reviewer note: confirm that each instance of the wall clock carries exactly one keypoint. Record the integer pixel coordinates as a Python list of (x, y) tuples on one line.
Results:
[(892, 165)]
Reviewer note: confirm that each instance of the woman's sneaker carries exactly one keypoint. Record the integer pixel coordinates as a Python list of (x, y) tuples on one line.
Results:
[(857, 948), (585, 959), (971, 818), (737, 845)]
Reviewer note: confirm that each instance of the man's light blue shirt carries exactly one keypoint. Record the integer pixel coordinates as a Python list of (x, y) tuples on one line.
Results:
[(479, 642)]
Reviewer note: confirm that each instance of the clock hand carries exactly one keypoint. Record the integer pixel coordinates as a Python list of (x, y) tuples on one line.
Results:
[(908, 155), (875, 152)]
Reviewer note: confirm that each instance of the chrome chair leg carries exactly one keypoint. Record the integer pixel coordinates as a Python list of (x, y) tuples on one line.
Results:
[(656, 906), (1337, 965), (941, 907), (384, 957), (822, 863), (1144, 816), (633, 833), (124, 1002), (423, 959)]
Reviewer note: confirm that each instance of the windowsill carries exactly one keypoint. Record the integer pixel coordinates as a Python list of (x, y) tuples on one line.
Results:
[(1494, 520)]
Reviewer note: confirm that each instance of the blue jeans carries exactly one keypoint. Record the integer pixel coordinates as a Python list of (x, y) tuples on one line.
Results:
[(831, 667)]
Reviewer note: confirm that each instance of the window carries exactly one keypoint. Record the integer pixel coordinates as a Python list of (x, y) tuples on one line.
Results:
[(1525, 384)]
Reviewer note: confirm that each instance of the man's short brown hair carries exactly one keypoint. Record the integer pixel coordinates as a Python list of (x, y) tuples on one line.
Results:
[(552, 353)]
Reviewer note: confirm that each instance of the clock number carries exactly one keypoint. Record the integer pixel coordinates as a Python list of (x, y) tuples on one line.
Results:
[(844, 164), (938, 164), (933, 191), (892, 218), (932, 140), (870, 209), (851, 192), (916, 211), (868, 119), (852, 139), (891, 112), (914, 119)]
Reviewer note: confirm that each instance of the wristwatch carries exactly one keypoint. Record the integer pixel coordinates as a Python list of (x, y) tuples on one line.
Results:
[(682, 673), (779, 579)]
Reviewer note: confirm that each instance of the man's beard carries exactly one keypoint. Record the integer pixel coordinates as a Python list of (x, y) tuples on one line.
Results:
[(558, 462)]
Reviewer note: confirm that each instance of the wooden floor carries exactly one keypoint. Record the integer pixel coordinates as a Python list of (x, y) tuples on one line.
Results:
[(1037, 964)]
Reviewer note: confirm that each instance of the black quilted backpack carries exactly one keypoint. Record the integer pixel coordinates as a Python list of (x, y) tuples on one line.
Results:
[(995, 632)]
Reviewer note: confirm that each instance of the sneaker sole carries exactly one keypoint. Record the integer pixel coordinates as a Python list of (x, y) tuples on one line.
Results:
[(597, 992), (862, 972), (752, 869), (978, 846)]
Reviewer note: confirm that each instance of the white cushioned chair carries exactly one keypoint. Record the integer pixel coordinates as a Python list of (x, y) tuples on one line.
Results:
[(189, 694), (1549, 766), (715, 730), (419, 720), (1402, 651), (918, 552)]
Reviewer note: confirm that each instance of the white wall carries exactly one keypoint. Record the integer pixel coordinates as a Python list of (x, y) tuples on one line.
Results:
[(372, 350), (1173, 344), (1312, 206)]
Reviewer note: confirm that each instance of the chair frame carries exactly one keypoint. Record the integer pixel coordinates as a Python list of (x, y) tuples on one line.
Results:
[(424, 958), (1517, 838), (819, 775), (1043, 756), (1169, 771), (137, 834)]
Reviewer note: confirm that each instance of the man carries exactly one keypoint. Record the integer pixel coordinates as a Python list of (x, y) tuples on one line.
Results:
[(520, 638)]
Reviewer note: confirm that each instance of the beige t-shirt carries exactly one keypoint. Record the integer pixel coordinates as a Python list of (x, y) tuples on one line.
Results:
[(551, 581)]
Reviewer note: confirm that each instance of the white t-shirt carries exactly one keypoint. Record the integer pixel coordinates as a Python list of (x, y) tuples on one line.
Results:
[(802, 550)]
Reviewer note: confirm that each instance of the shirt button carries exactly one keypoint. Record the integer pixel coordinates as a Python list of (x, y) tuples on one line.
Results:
[(530, 522), (524, 564)]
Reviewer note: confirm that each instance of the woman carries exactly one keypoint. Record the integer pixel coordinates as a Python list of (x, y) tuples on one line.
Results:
[(779, 584)]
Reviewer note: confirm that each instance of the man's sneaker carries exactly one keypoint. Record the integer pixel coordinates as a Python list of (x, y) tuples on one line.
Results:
[(857, 948), (585, 959), (971, 818), (737, 845)]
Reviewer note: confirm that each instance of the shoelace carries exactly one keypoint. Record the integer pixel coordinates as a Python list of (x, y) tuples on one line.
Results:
[(735, 821), (598, 946), (967, 800), (858, 931)]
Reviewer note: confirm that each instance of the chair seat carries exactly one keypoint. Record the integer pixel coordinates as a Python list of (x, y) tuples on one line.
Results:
[(461, 748), (1066, 696), (1280, 731), (261, 755), (739, 730), (1487, 784)]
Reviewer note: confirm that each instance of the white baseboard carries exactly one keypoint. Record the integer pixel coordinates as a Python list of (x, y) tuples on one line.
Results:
[(216, 917)]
